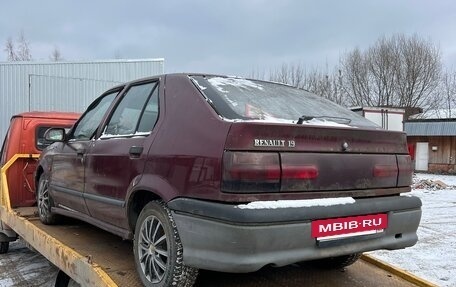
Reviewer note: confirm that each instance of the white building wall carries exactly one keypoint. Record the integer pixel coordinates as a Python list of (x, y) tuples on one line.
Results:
[(63, 86), (389, 121)]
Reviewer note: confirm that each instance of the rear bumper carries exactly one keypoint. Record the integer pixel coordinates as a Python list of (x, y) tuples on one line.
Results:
[(223, 237)]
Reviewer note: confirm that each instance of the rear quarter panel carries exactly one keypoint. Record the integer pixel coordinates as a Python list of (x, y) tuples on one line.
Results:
[(188, 149)]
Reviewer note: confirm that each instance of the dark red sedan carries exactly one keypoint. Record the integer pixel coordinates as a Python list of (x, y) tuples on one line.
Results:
[(229, 174)]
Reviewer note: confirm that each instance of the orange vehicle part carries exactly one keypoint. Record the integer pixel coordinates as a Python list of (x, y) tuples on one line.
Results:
[(26, 136)]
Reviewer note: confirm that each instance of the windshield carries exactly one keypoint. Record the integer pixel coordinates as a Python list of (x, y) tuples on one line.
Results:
[(251, 100)]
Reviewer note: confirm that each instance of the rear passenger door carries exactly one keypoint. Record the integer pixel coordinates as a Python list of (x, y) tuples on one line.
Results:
[(117, 157)]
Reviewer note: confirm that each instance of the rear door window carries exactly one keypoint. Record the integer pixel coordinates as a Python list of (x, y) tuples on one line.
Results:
[(136, 113)]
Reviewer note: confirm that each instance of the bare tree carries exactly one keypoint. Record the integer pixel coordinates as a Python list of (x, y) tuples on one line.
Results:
[(328, 85), (9, 49), (257, 73), (448, 92), (397, 71), (419, 73), (356, 79), (23, 48), (56, 56), (20, 51)]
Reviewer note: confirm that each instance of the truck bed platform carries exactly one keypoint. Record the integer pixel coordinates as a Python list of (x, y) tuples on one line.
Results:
[(112, 259), (93, 257)]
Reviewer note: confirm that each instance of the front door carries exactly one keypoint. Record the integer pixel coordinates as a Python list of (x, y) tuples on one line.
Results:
[(422, 156), (67, 178), (68, 165)]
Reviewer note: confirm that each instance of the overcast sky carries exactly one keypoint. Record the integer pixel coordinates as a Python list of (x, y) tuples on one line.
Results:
[(226, 37)]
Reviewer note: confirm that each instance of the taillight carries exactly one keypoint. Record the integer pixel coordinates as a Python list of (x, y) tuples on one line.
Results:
[(404, 163), (385, 170), (251, 172), (299, 172)]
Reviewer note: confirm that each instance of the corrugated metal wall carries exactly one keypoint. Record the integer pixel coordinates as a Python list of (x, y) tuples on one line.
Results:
[(63, 86), (431, 128)]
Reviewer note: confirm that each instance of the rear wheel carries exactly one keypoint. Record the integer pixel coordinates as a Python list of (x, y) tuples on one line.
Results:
[(158, 249), (4, 246), (44, 202), (336, 262)]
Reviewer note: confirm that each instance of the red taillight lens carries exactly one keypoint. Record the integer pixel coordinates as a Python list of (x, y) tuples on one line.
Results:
[(299, 172), (385, 170), (404, 163), (251, 172)]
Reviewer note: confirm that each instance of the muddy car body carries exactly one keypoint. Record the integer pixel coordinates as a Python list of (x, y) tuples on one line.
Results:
[(229, 174)]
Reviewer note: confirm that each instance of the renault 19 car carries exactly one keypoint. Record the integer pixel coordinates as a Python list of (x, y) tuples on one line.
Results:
[(229, 174)]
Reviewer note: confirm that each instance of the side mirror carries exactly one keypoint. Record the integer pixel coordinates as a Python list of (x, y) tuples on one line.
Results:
[(55, 135)]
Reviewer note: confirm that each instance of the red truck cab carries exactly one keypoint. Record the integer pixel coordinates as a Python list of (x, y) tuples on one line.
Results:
[(26, 136)]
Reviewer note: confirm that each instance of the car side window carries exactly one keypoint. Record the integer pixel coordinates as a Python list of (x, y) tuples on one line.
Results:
[(127, 116), (89, 122), (150, 114)]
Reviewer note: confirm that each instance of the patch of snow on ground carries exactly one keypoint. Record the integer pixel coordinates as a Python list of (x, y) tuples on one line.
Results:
[(434, 256), (23, 267), (296, 203)]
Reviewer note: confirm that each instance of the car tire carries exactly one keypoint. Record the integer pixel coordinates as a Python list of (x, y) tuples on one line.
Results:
[(158, 250), (44, 202), (63, 280), (336, 262), (4, 246)]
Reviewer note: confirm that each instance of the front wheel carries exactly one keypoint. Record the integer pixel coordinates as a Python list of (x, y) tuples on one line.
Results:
[(44, 202), (158, 250), (4, 246)]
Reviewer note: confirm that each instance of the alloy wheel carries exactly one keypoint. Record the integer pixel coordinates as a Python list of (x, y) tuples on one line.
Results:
[(153, 249), (43, 198)]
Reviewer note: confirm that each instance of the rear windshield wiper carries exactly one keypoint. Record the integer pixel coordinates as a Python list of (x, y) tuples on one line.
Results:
[(338, 120)]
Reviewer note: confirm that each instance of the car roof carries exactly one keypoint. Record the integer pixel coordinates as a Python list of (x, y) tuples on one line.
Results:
[(190, 74)]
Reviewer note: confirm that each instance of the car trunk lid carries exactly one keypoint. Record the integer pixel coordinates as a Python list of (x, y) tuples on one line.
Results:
[(300, 158), (249, 136)]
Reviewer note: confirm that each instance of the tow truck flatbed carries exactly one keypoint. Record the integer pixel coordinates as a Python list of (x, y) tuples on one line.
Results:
[(110, 259), (93, 257)]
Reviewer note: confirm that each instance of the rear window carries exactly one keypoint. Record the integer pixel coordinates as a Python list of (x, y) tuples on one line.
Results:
[(252, 100)]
